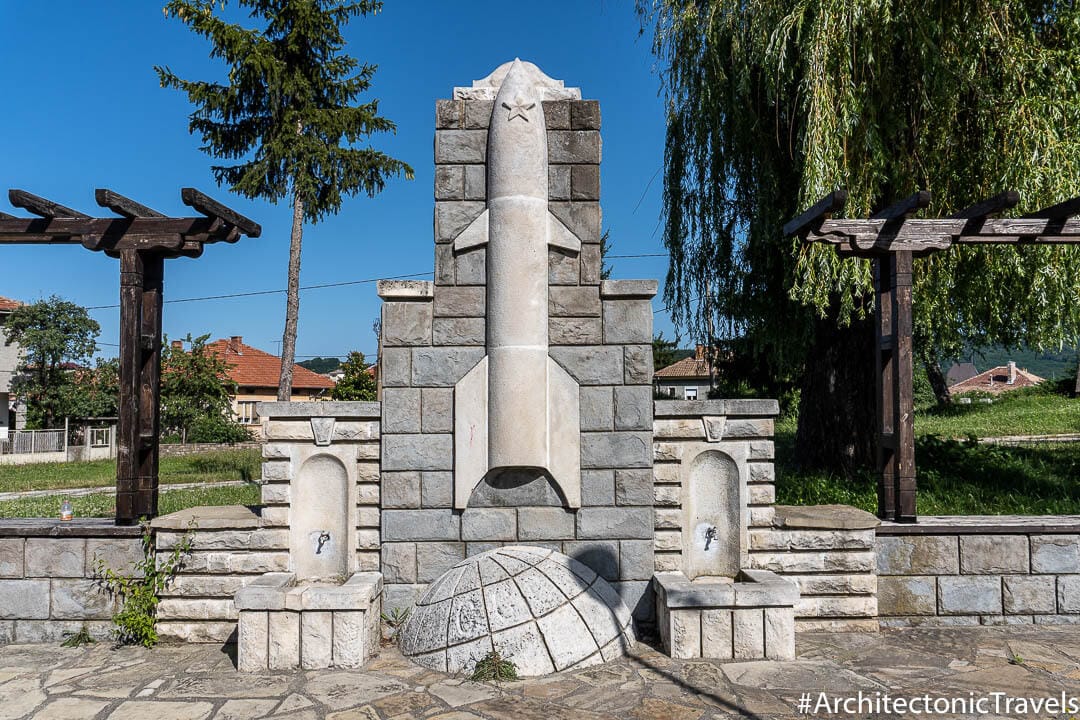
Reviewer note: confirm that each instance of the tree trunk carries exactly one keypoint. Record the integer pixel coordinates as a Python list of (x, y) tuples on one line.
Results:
[(837, 405), (292, 303), (938, 382)]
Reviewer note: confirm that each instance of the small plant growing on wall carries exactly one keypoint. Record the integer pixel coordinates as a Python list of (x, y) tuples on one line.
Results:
[(139, 590), (394, 620), (494, 666)]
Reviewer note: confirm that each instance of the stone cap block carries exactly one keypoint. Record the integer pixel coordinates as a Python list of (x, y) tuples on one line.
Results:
[(729, 408), (209, 517), (77, 528), (985, 525), (750, 588), (610, 289), (823, 517), (266, 592), (405, 289), (340, 409)]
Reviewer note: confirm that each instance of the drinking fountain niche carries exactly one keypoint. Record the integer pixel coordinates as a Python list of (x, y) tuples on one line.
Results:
[(322, 612), (709, 602)]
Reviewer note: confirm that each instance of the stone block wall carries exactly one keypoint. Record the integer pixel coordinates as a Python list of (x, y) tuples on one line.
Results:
[(234, 545), (600, 332), (601, 335), (829, 552), (47, 579), (573, 134), (742, 429), (979, 570)]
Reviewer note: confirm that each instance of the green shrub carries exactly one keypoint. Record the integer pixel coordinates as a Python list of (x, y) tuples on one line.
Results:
[(139, 596)]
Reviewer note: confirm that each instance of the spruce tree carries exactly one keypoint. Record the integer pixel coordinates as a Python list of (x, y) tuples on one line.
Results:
[(287, 116)]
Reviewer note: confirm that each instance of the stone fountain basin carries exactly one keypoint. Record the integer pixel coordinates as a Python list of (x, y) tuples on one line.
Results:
[(748, 617), (286, 624)]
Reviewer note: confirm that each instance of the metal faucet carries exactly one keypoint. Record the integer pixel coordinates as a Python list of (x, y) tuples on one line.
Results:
[(710, 535), (324, 537)]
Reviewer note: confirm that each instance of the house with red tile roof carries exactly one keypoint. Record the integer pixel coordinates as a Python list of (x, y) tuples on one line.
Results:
[(687, 379), (1001, 379), (256, 374)]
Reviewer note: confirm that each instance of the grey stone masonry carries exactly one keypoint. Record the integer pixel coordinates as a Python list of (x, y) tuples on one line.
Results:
[(49, 581), (740, 430), (600, 332), (979, 569), (233, 546), (828, 551)]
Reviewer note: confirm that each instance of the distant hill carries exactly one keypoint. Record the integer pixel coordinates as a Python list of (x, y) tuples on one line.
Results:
[(1049, 365), (321, 365)]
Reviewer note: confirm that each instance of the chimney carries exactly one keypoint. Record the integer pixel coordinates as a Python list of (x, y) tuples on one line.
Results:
[(178, 344), (234, 343), (1012, 372), (699, 353)]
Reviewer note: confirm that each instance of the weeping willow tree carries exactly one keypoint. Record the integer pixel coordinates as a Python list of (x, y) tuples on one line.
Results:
[(773, 104)]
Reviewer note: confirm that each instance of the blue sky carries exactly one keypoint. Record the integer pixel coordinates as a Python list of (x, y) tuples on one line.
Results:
[(83, 109)]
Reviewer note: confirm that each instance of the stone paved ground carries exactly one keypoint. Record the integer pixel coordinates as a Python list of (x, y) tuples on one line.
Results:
[(200, 682)]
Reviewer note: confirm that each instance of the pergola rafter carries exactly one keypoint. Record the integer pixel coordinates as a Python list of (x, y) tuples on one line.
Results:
[(142, 238), (892, 238)]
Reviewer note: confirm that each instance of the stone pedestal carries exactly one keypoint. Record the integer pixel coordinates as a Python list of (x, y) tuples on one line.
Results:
[(749, 618), (284, 626)]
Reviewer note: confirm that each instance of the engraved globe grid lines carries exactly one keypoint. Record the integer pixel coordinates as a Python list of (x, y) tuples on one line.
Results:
[(532, 590)]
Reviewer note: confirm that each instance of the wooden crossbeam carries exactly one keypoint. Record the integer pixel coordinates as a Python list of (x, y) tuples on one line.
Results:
[(123, 205), (5, 216), (990, 206), (822, 210), (1061, 211), (1006, 228), (213, 209), (40, 206), (905, 207)]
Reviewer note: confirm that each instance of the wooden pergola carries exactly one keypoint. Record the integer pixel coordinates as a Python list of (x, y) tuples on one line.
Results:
[(142, 239), (892, 238)]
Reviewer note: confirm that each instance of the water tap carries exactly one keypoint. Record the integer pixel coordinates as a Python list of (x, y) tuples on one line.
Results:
[(710, 535), (324, 537)]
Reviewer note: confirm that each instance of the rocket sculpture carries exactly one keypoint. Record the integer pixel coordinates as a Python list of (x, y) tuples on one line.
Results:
[(517, 408)]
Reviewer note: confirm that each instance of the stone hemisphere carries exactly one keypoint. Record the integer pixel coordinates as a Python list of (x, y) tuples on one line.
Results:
[(538, 608)]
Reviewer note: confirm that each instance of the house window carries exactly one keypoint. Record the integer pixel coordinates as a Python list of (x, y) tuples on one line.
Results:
[(99, 437), (245, 412), (690, 393)]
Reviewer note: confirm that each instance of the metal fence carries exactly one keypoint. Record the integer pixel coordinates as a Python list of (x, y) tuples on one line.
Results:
[(33, 441)]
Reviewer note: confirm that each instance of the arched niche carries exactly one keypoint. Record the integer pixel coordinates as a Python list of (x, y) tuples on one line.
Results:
[(713, 517), (319, 533)]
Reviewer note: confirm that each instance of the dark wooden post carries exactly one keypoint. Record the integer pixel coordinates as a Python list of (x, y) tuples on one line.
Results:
[(141, 274), (885, 385), (904, 427)]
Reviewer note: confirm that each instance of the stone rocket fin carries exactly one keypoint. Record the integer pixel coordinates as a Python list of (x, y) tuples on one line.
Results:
[(475, 235), (561, 236), (471, 431), (564, 438)]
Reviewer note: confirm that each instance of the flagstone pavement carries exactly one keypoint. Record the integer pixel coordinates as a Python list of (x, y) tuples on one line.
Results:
[(200, 682)]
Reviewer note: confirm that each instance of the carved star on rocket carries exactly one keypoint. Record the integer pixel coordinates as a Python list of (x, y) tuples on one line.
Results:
[(518, 108)]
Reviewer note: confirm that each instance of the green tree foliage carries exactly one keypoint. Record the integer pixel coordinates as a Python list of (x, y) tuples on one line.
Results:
[(288, 115), (321, 365), (357, 383), (196, 394), (663, 351), (773, 104), (94, 392), (54, 336)]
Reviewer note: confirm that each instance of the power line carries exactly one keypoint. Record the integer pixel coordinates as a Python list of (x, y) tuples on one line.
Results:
[(276, 292)]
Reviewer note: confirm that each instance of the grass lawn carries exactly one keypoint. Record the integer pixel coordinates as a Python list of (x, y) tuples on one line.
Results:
[(206, 467), (104, 504), (209, 467), (956, 477), (1032, 411)]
